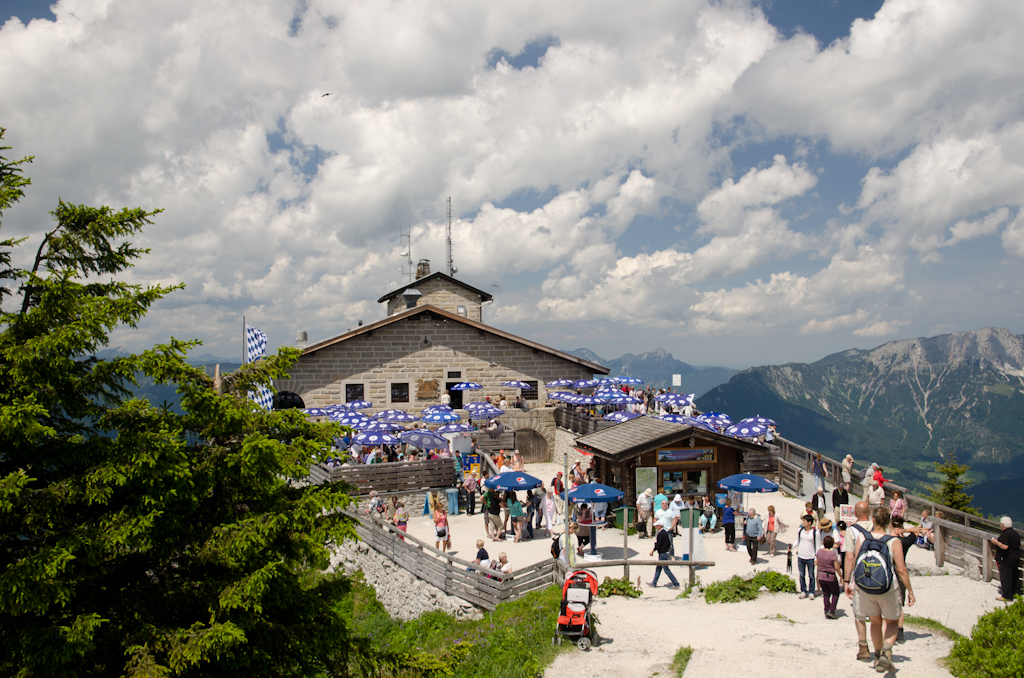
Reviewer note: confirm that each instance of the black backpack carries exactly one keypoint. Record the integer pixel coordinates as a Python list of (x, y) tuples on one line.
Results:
[(873, 570), (556, 546)]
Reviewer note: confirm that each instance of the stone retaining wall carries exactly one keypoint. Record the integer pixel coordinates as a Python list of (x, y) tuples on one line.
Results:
[(404, 596)]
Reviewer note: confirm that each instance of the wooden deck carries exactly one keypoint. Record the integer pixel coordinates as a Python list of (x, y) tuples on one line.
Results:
[(402, 476)]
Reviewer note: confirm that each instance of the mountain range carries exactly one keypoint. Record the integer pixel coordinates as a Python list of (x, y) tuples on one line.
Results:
[(905, 404), (657, 367)]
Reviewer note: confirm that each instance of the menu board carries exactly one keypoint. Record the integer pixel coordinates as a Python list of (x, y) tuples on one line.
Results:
[(684, 454), (646, 478)]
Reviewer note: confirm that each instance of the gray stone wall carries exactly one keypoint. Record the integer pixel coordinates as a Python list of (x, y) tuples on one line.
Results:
[(565, 443), (540, 419), (416, 351), (404, 596), (443, 295)]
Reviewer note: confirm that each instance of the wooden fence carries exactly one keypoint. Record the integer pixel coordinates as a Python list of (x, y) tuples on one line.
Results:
[(487, 441), (401, 476), (579, 422), (454, 576)]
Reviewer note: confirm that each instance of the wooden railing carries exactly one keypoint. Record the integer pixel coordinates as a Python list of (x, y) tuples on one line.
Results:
[(953, 542), (579, 422), (401, 476), (454, 576), (487, 441)]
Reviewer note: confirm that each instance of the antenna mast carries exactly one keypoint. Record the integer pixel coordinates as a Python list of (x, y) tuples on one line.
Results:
[(405, 242), (452, 270)]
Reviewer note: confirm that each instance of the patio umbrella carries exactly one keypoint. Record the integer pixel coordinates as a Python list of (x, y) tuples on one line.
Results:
[(465, 386), (374, 439), (620, 399), (559, 395), (424, 440), (760, 421), (742, 430), (621, 416), (560, 383), (716, 419), (587, 400), (588, 494), (455, 428), (747, 482), (356, 420), (586, 383), (516, 384), (687, 421), (440, 417), (676, 399), (316, 412), (629, 380), (385, 426), (513, 480), (336, 407), (486, 413), (395, 416), (357, 405), (436, 408), (476, 405)]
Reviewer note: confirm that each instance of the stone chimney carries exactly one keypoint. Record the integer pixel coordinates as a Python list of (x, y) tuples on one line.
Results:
[(423, 268), (301, 338)]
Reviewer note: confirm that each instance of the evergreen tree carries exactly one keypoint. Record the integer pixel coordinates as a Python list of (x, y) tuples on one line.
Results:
[(950, 491), (134, 540)]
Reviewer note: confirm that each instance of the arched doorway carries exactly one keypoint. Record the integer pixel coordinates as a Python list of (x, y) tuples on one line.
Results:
[(532, 445)]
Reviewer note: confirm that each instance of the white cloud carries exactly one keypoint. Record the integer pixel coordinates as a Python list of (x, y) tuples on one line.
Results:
[(1013, 236)]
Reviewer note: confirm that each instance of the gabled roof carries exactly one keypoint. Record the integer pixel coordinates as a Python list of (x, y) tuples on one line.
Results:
[(645, 434), (480, 327), (435, 276)]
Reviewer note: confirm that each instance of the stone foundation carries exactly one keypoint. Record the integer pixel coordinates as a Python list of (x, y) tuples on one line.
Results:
[(404, 596)]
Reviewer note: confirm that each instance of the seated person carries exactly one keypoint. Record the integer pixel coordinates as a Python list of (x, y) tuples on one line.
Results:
[(708, 520)]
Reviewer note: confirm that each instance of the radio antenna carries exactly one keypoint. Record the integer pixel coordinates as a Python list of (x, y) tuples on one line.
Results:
[(452, 270)]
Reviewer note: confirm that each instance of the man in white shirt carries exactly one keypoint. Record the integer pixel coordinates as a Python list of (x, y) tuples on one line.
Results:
[(446, 399), (806, 546), (643, 511), (667, 516)]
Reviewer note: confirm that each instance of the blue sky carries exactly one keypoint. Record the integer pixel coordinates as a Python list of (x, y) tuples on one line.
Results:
[(739, 183)]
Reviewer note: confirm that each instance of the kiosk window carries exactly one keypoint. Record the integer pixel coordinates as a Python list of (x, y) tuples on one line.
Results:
[(353, 392), (530, 393), (400, 393)]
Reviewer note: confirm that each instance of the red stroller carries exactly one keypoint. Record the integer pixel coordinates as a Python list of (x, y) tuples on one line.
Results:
[(575, 620)]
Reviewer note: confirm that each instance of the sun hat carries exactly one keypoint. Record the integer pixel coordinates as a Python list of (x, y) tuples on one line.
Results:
[(824, 523), (648, 492)]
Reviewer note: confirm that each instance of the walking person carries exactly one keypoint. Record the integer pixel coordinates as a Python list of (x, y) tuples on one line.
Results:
[(401, 519), (1007, 551), (882, 608), (443, 539), (907, 537), (644, 506), (826, 560), (840, 497), (819, 472), (773, 527), (532, 510), (663, 545), (753, 531), (550, 507), (515, 512), (806, 546), (494, 515), (729, 525), (851, 543), (818, 503), (898, 505)]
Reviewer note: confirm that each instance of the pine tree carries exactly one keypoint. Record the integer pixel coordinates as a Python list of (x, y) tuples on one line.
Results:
[(134, 540), (950, 491)]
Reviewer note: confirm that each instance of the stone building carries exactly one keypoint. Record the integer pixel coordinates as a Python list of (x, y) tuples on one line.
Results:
[(408, 359)]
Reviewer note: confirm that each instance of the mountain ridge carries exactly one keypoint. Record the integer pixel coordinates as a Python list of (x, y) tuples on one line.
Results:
[(656, 368)]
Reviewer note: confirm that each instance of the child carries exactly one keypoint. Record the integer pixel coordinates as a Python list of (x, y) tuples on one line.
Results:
[(789, 560)]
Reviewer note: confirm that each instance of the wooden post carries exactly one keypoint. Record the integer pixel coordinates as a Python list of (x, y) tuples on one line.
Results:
[(986, 559), (625, 543), (940, 546)]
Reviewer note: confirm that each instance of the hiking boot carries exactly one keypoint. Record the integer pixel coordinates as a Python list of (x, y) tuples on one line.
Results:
[(884, 661), (900, 638), (830, 615), (863, 653)]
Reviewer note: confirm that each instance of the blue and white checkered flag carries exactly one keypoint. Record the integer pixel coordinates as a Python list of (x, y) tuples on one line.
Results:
[(256, 348)]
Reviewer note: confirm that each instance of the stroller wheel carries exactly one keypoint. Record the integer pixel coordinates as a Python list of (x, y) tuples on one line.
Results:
[(583, 643)]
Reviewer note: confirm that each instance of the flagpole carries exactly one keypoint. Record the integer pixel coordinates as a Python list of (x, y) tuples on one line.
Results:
[(243, 342)]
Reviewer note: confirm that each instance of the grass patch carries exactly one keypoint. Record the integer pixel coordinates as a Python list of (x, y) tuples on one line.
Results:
[(681, 659), (931, 624), (779, 617), (618, 587), (737, 590), (690, 587), (514, 641)]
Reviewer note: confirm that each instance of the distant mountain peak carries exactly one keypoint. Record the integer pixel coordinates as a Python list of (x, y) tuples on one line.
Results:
[(587, 354), (656, 368)]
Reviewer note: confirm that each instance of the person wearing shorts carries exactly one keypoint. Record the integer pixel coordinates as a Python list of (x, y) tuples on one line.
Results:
[(882, 608)]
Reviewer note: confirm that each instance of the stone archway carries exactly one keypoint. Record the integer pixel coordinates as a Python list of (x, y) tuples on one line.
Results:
[(532, 445)]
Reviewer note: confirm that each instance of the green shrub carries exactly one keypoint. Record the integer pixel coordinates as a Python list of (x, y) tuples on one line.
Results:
[(618, 587), (776, 582), (995, 647), (736, 590)]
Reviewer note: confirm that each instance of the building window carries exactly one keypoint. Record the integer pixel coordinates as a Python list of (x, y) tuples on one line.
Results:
[(400, 393), (455, 375), (354, 392), (530, 393), (461, 310)]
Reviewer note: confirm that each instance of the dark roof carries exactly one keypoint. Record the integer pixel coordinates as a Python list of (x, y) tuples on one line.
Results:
[(644, 434), (438, 275), (427, 308)]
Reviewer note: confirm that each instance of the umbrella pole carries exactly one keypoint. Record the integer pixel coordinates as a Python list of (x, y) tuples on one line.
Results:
[(625, 544)]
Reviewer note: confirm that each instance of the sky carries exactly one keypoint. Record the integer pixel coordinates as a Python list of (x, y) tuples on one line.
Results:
[(739, 182)]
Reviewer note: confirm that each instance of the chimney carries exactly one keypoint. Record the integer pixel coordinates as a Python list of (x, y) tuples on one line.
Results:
[(300, 339), (423, 268)]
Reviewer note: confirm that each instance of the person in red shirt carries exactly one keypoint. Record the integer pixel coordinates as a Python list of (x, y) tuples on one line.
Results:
[(879, 477), (556, 483)]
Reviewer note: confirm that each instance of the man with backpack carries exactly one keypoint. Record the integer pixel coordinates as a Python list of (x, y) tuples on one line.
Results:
[(873, 561)]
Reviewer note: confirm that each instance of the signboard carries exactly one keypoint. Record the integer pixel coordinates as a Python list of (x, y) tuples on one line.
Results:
[(646, 478), (470, 463), (688, 454), (677, 380), (846, 514)]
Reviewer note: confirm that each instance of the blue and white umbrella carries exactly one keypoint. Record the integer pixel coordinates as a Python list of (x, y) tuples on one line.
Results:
[(488, 413), (356, 420), (676, 399), (374, 439), (316, 412), (336, 407), (742, 430), (621, 416), (687, 421), (516, 384), (587, 400), (455, 428), (424, 440), (560, 383), (716, 419), (436, 408), (395, 416), (591, 492), (385, 426), (476, 405), (466, 386), (629, 380), (747, 482), (513, 480), (586, 383), (560, 395), (759, 421), (357, 405), (440, 417), (620, 399)]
